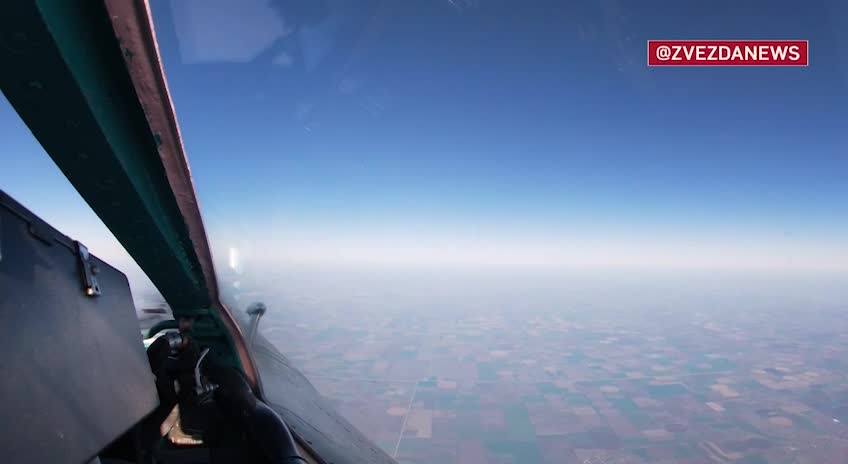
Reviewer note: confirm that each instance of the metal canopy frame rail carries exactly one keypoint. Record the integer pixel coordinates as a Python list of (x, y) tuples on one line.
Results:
[(87, 79)]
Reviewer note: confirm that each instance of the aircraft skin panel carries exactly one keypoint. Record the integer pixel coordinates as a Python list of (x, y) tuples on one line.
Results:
[(308, 415)]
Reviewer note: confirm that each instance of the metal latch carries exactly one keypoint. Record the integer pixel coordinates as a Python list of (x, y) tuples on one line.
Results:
[(88, 271)]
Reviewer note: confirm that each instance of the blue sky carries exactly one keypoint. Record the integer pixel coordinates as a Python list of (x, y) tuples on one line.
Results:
[(480, 133)]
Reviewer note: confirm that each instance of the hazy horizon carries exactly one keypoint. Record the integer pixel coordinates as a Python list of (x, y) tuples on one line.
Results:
[(466, 139)]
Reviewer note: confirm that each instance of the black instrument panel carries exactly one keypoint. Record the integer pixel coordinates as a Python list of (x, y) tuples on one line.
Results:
[(74, 375)]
